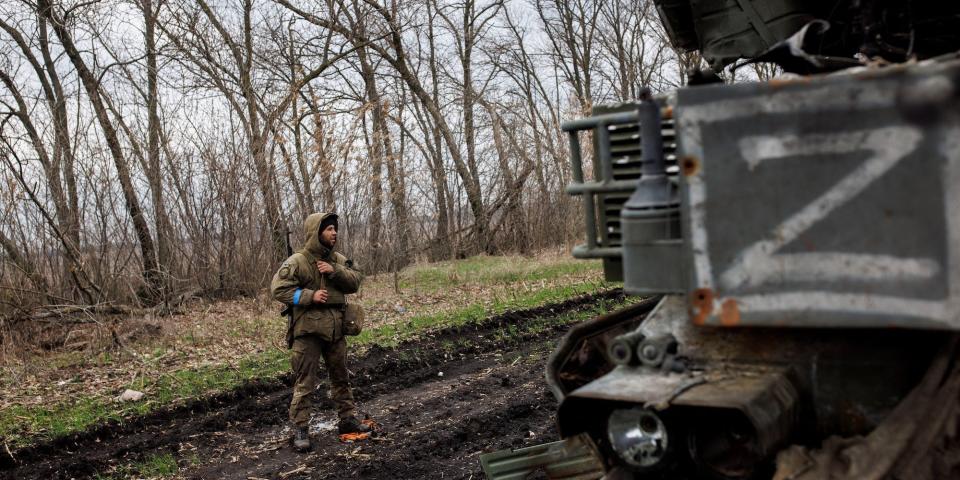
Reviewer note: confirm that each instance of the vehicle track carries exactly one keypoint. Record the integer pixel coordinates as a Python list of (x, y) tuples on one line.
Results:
[(490, 395)]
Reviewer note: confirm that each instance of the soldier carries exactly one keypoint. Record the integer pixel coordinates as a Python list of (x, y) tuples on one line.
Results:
[(315, 281)]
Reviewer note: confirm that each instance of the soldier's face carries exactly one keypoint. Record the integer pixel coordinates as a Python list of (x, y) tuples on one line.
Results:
[(328, 236)]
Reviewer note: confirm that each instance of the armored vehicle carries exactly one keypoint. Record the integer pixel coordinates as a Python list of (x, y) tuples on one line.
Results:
[(796, 244)]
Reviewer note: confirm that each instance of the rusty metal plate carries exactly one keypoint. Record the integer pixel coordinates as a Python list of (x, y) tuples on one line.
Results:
[(829, 202)]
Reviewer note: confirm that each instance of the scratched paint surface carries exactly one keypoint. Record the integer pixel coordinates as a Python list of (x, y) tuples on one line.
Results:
[(828, 203)]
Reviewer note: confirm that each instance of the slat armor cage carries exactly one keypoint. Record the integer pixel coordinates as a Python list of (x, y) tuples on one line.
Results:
[(616, 153)]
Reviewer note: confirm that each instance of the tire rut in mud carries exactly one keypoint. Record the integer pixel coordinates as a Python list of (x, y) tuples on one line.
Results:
[(231, 425), (434, 428)]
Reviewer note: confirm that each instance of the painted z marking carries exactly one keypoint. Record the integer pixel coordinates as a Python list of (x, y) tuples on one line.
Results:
[(759, 263)]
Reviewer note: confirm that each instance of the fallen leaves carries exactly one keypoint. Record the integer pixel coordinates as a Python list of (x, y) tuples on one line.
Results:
[(225, 333)]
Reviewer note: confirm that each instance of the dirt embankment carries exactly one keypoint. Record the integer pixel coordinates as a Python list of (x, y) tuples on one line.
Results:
[(440, 402)]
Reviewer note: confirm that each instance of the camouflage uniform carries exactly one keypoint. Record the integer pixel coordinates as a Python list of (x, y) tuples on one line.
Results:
[(319, 327)]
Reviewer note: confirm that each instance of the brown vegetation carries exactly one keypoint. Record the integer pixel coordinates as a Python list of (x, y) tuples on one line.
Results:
[(153, 151)]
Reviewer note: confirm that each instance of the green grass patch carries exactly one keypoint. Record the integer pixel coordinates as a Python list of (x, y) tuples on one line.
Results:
[(487, 270), (20, 426), (160, 465), (513, 333), (392, 335)]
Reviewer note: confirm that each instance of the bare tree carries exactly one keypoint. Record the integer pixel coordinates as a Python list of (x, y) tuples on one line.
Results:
[(572, 29), (153, 170), (60, 165), (765, 71), (395, 53), (92, 88), (633, 54), (160, 167)]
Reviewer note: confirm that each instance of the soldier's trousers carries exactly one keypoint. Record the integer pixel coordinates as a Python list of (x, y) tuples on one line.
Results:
[(305, 361)]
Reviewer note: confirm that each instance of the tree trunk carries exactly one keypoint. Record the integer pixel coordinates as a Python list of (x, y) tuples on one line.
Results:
[(324, 163), (382, 152), (374, 146), (513, 216), (154, 172), (438, 170), (91, 86), (432, 106), (307, 203), (259, 138)]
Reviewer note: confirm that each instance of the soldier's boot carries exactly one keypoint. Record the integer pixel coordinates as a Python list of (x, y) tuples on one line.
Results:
[(351, 425), (301, 439)]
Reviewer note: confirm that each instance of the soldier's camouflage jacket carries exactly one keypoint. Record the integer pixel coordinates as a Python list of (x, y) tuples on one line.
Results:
[(298, 278)]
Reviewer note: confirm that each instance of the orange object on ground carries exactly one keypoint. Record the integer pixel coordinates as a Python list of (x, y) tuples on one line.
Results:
[(354, 437)]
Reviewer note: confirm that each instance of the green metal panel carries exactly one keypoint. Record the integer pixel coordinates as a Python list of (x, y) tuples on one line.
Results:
[(575, 458)]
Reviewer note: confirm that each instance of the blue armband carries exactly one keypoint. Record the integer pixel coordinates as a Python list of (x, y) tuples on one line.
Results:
[(296, 296)]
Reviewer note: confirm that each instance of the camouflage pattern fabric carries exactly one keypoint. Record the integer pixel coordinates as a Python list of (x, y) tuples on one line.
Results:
[(298, 277)]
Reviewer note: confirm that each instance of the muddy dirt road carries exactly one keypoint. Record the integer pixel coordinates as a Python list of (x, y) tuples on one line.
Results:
[(440, 403)]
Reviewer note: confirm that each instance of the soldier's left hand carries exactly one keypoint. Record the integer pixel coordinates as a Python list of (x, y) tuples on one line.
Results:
[(324, 267)]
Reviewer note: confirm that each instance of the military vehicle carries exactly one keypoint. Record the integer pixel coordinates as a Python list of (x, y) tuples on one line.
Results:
[(797, 246)]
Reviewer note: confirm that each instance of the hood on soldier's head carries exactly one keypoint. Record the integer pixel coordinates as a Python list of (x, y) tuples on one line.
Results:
[(311, 230)]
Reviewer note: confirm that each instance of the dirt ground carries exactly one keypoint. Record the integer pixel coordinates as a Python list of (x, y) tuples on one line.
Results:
[(54, 362), (440, 403)]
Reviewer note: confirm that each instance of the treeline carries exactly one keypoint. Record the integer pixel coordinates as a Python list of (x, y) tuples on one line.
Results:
[(152, 150)]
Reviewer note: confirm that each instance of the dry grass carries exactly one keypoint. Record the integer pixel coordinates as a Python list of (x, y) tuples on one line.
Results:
[(94, 362)]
